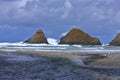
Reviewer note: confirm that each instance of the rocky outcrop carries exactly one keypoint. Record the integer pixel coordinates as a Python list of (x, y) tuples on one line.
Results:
[(116, 41), (37, 38), (77, 36)]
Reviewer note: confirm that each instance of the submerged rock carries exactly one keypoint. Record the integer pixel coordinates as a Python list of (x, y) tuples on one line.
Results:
[(38, 37), (116, 41), (77, 36)]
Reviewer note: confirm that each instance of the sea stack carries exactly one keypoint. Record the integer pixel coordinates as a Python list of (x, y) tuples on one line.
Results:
[(116, 41), (37, 38), (77, 36)]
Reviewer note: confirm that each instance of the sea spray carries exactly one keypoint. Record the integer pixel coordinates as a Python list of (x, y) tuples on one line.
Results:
[(52, 41)]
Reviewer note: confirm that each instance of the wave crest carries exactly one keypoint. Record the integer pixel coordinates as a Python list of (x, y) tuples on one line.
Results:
[(52, 41)]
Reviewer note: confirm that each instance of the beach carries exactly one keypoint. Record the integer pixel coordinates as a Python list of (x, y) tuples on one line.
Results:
[(59, 40), (59, 65), (111, 61)]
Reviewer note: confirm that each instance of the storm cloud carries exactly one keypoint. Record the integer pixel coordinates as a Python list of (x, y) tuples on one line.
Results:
[(99, 18)]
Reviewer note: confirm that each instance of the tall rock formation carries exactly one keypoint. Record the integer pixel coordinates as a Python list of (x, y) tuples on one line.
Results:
[(116, 41), (37, 38), (77, 36)]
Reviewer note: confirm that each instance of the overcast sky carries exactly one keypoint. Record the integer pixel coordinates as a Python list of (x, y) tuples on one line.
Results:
[(19, 19)]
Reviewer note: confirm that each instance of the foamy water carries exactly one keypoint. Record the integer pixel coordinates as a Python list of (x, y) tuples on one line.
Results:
[(53, 45), (38, 47)]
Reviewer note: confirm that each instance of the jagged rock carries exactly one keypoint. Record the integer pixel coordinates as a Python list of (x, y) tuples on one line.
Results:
[(77, 36), (116, 41), (37, 38)]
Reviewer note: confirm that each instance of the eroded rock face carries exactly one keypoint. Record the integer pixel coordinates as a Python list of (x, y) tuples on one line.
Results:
[(77, 36), (37, 38), (116, 41)]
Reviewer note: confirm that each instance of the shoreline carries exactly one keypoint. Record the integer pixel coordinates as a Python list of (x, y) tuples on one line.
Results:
[(95, 59)]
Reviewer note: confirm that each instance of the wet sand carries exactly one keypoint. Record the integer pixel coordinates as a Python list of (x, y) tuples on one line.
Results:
[(58, 65), (111, 61)]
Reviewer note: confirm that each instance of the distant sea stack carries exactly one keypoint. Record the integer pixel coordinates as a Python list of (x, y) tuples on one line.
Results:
[(77, 36), (37, 38), (116, 41)]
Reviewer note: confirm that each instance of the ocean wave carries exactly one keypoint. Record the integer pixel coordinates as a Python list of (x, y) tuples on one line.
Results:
[(52, 46), (52, 41), (105, 44), (78, 46)]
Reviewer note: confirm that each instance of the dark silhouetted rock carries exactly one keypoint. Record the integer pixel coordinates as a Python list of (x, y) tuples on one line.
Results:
[(77, 36), (37, 38), (116, 41)]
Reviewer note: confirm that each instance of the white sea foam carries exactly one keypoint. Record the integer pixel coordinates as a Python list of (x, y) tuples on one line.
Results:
[(25, 46), (52, 41), (52, 46), (77, 45), (90, 48), (63, 34), (105, 44)]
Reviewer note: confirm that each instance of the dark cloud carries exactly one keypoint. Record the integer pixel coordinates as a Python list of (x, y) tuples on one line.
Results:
[(97, 17)]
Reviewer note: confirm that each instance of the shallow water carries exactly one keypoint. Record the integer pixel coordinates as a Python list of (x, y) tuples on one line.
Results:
[(20, 58), (17, 57), (108, 71), (14, 66)]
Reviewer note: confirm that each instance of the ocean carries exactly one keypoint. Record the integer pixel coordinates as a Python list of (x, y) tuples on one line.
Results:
[(42, 47)]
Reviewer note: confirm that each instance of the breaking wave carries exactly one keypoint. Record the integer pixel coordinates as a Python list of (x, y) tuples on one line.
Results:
[(52, 41), (53, 45)]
